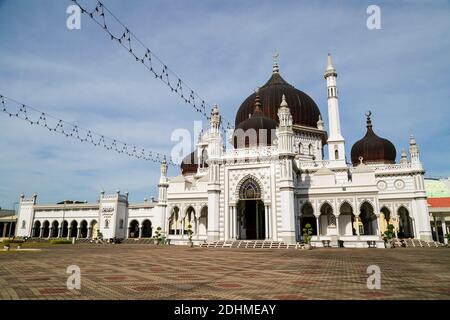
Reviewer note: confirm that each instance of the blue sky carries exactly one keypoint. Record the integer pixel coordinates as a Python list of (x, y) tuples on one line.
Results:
[(222, 49)]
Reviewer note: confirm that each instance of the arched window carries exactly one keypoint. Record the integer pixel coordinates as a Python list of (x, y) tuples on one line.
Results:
[(300, 148), (336, 154), (106, 224), (249, 190), (121, 224), (310, 150), (23, 224)]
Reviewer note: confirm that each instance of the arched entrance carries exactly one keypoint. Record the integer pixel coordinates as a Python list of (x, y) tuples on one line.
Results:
[(368, 220), (74, 229), (65, 229), (250, 212), (327, 220), (45, 229), (203, 222), (94, 229), (146, 229), (346, 220), (54, 229), (83, 229), (134, 229), (37, 229), (308, 217), (173, 221), (405, 224)]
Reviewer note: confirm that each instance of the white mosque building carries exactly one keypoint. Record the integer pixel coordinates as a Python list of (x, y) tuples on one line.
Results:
[(268, 186)]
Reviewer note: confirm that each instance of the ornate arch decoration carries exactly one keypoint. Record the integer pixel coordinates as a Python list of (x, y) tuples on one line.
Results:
[(348, 203), (368, 201), (405, 208), (203, 206), (249, 187), (188, 207), (323, 204), (385, 207), (306, 203)]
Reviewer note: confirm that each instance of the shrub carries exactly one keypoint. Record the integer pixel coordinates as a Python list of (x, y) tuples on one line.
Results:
[(389, 234), (7, 242), (61, 241)]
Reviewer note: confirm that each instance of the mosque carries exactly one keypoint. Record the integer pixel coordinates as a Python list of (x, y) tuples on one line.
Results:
[(271, 183)]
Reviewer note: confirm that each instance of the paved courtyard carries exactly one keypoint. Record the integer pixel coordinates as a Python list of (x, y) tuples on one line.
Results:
[(151, 272)]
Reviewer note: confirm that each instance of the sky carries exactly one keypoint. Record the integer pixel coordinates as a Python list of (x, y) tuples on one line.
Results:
[(223, 50)]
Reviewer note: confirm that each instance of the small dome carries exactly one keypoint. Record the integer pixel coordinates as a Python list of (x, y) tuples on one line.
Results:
[(256, 123), (304, 110), (189, 165), (372, 148)]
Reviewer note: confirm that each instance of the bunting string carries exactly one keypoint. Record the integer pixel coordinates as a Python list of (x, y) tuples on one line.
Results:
[(36, 117), (101, 15)]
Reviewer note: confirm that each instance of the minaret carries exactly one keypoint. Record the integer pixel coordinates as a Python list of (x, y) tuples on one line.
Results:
[(286, 180), (414, 150), (163, 183), (215, 148), (285, 132), (336, 143)]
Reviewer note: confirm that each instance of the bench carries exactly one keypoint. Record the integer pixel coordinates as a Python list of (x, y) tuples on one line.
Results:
[(326, 243), (372, 244)]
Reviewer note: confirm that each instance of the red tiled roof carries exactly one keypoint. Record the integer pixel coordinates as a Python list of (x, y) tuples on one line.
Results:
[(439, 202)]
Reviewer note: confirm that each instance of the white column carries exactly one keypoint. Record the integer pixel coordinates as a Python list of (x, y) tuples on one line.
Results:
[(317, 226), (337, 225), (435, 228), (140, 232), (266, 222), (444, 229), (234, 223), (41, 232), (357, 225), (378, 226)]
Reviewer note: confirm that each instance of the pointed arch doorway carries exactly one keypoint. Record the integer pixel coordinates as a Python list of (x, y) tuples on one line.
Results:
[(250, 212)]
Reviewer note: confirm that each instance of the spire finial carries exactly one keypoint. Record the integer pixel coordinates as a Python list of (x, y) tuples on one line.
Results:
[(369, 120), (283, 101), (275, 68), (329, 62)]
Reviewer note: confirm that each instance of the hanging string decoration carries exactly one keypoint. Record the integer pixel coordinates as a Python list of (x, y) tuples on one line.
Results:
[(36, 117), (143, 55)]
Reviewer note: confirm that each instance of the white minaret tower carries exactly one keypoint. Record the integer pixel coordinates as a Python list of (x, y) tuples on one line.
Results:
[(336, 142)]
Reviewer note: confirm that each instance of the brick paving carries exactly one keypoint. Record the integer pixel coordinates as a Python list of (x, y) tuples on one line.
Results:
[(156, 272)]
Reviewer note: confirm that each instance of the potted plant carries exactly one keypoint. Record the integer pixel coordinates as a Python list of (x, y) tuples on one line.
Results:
[(447, 236), (388, 235), (157, 236), (307, 232), (190, 232)]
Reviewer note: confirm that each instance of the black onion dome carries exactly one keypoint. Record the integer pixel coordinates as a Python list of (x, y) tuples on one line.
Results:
[(372, 148), (190, 163), (257, 122), (304, 110)]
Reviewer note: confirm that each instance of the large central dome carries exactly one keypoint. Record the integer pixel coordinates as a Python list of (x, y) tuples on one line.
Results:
[(303, 109)]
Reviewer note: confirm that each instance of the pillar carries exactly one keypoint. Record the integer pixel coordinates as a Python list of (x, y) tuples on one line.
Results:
[(357, 225), (4, 229), (444, 229), (69, 232), (235, 231), (266, 222), (378, 226), (79, 232), (317, 226), (60, 232), (337, 225), (50, 231), (41, 232), (140, 232)]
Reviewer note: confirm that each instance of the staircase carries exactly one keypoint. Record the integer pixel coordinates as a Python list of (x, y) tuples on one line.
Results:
[(251, 244), (416, 243)]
